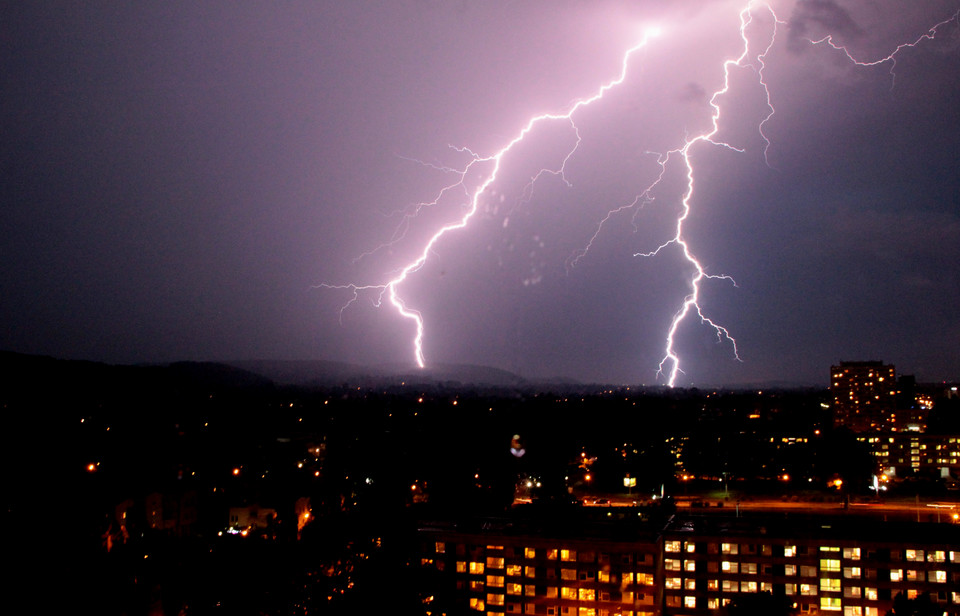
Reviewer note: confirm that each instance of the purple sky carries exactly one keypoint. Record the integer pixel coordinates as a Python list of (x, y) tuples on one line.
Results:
[(178, 177)]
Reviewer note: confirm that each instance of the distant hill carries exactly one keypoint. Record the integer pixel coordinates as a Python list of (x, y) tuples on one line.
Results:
[(45, 378), (319, 373)]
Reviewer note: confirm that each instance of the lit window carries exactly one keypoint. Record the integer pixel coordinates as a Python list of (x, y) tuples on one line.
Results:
[(568, 574), (552, 554), (829, 564), (690, 584), (529, 552), (645, 579), (748, 587), (728, 548), (915, 555), (551, 592), (440, 547), (730, 586), (789, 569), (588, 594), (851, 573), (476, 568), (514, 589), (789, 551), (936, 556), (870, 594), (852, 610), (568, 593), (530, 590), (672, 583), (493, 599), (790, 589), (530, 572), (829, 585), (461, 566), (713, 584), (690, 602), (476, 604), (476, 585), (851, 592), (495, 581), (494, 547), (690, 565), (568, 555), (671, 546), (514, 569), (728, 567), (830, 604), (671, 564), (586, 611), (940, 577), (690, 546), (896, 575), (851, 553), (808, 589), (495, 562), (748, 568)]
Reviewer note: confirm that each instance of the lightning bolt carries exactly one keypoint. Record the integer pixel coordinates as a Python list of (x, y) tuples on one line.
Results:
[(669, 367), (389, 289), (929, 35), (488, 167)]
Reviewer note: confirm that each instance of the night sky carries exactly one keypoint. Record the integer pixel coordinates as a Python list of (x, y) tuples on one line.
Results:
[(178, 178)]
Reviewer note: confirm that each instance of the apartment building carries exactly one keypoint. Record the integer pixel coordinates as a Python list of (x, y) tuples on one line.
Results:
[(852, 566), (610, 570), (697, 565)]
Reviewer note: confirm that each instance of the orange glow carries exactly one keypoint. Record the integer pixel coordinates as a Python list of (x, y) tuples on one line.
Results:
[(236, 471), (91, 467), (587, 477)]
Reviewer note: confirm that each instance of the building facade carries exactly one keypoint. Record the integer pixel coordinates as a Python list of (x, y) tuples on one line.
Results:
[(697, 565)]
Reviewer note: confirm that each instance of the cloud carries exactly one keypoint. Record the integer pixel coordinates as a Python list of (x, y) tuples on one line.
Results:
[(693, 93), (820, 15)]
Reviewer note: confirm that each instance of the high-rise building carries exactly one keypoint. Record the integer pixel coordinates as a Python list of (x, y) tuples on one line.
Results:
[(864, 396)]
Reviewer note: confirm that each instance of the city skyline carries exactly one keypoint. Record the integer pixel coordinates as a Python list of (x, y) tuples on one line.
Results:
[(180, 180)]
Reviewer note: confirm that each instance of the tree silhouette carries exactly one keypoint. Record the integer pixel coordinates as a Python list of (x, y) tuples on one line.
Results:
[(921, 606), (762, 604)]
